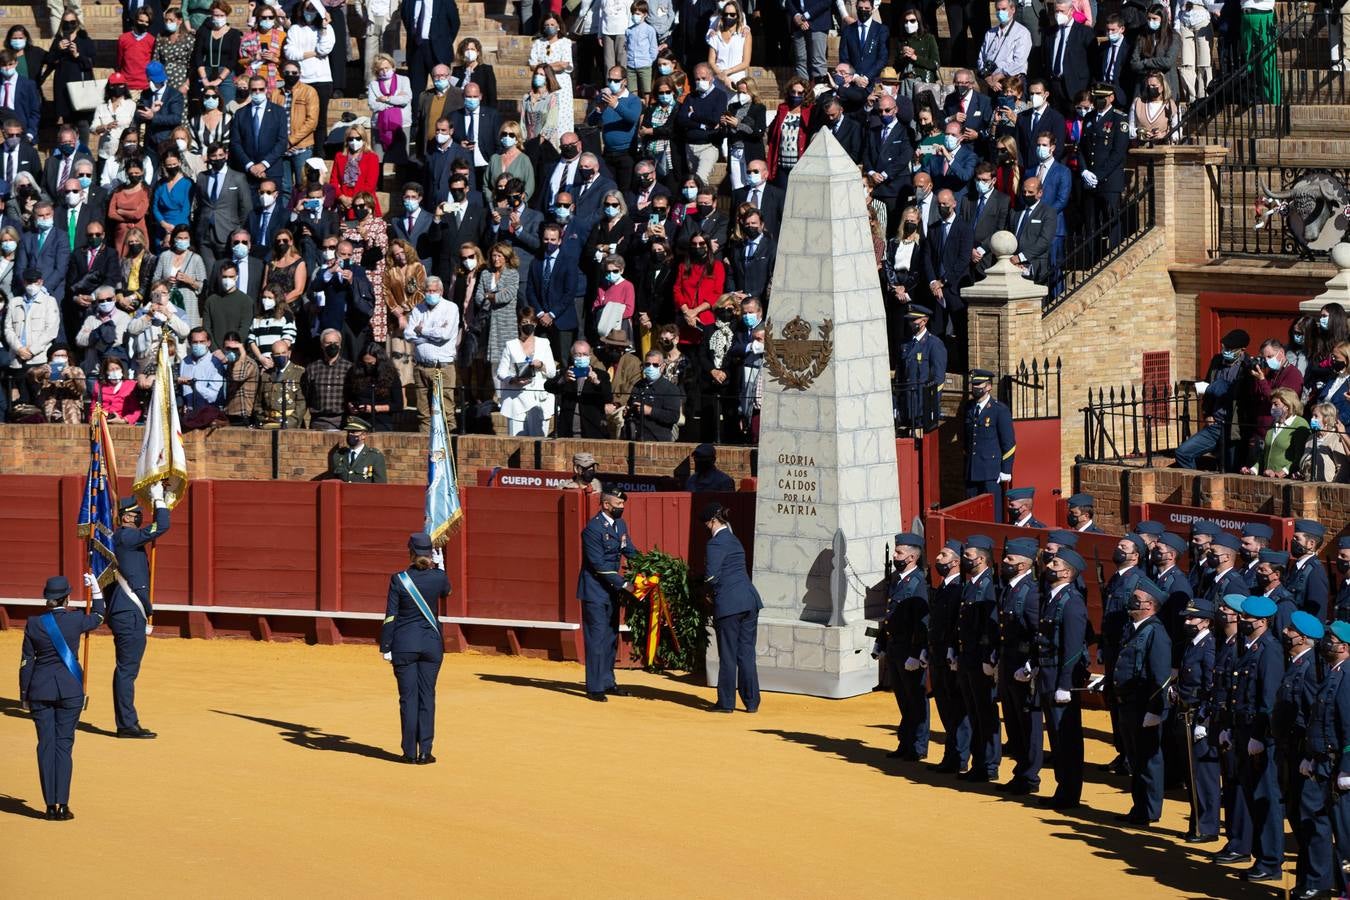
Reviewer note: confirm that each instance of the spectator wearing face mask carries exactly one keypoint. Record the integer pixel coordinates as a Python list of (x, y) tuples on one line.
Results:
[(1157, 50), (185, 272), (356, 170), (58, 388), (230, 310), (72, 59), (583, 389), (281, 398), (118, 394), (1270, 373), (953, 165), (698, 121), (104, 328), (1335, 388), (390, 97), (45, 250), (714, 394), (654, 406), (1327, 454), (148, 323), (1218, 392), (324, 383), (201, 381), (241, 380), (433, 330), (526, 364), (135, 50), (129, 204), (616, 112)]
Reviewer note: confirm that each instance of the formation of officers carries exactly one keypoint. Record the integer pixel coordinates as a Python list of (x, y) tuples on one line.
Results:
[(1223, 678)]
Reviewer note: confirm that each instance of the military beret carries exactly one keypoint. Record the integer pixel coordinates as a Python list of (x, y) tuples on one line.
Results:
[(1343, 543), (1021, 493), (1148, 526), (1258, 530), (981, 376), (980, 542), (1258, 607), (1198, 608), (713, 510), (1138, 542), (355, 423), (420, 543), (909, 539), (1307, 625), (56, 588), (1148, 587), (1064, 537), (1341, 630), (1071, 557), (705, 451), (127, 503), (1022, 547), (1234, 602), (954, 545), (1172, 540), (1081, 500), (1274, 557), (1227, 541), (1308, 526), (1204, 526), (918, 311)]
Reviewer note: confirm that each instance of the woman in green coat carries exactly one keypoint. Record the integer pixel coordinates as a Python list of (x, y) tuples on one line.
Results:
[(1286, 438), (916, 52)]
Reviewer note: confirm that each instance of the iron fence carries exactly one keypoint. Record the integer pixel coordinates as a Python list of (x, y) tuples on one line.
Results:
[(1138, 423), (1032, 390), (1242, 186), (1098, 244)]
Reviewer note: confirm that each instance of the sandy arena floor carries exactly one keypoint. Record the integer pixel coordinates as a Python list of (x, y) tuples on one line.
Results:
[(274, 774)]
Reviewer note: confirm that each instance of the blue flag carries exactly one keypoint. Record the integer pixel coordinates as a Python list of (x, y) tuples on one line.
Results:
[(100, 500), (443, 511)]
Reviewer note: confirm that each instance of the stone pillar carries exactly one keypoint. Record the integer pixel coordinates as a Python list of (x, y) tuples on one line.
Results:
[(828, 500), (1004, 324), (1338, 285), (1185, 196)]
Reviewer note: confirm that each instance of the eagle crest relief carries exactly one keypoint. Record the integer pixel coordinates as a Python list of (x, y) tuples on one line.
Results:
[(792, 358)]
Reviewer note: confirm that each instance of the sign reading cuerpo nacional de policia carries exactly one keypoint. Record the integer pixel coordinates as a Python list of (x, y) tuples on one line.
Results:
[(828, 497)]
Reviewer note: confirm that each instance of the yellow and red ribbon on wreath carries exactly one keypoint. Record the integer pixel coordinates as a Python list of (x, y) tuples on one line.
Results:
[(648, 589)]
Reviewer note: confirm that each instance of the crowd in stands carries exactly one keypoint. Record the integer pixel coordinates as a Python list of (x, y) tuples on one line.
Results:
[(601, 271)]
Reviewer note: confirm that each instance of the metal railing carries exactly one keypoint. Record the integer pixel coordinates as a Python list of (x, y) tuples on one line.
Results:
[(1138, 423), (1098, 244), (1032, 390), (1240, 189)]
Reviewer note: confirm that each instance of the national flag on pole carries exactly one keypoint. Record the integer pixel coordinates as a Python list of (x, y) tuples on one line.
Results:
[(162, 458), (100, 499), (442, 507)]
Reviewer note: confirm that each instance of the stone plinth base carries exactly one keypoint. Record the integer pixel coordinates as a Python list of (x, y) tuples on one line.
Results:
[(795, 657)]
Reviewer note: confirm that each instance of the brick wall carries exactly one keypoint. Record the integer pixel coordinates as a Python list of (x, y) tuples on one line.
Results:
[(244, 453)]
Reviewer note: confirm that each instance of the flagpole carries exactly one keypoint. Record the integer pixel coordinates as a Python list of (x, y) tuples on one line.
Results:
[(88, 564)]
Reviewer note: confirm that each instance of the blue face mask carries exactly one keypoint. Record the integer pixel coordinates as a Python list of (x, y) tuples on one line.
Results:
[(85, 181), (182, 245), (562, 213), (441, 84), (1003, 17), (1231, 355), (239, 251), (581, 362), (471, 104), (651, 373), (231, 356), (199, 350), (750, 320), (432, 300), (611, 211), (410, 206), (1324, 322), (539, 81), (665, 99), (1273, 364), (1314, 424), (1298, 340), (210, 103), (690, 194), (613, 277), (952, 141)]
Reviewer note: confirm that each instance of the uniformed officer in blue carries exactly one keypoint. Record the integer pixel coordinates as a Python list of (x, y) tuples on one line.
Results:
[(1057, 540), (1325, 802), (1081, 513), (1129, 552), (1195, 696), (1061, 673), (600, 587), (1290, 721), (736, 607), (129, 610), (1255, 537), (904, 641), (1260, 667), (1019, 508), (1237, 821), (1266, 582), (51, 685), (944, 608), (1150, 532), (990, 442), (1141, 676), (1201, 572), (1168, 576), (1223, 553), (923, 369), (1342, 610), (1307, 577), (1019, 618), (976, 653), (412, 640)]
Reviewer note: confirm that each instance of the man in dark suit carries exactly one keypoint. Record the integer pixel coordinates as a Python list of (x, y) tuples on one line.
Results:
[(431, 26), (344, 288), (223, 204), (17, 154), (575, 230), (1040, 116), (588, 191), (160, 109), (750, 268), (888, 159), (966, 107), (258, 136), (1035, 227), (475, 127), (249, 266), (414, 224), (952, 166), (510, 221), (1101, 160), (865, 43), (553, 177), (20, 95), (947, 265), (985, 211), (601, 589), (765, 197), (553, 288), (1069, 48), (266, 219), (654, 404), (432, 106), (583, 390), (75, 211), (845, 130), (645, 189), (706, 220), (736, 605), (438, 165), (457, 222), (92, 264), (61, 164), (46, 249), (1113, 67)]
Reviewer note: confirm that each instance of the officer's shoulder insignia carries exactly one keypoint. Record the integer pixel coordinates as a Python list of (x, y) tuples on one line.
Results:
[(792, 359)]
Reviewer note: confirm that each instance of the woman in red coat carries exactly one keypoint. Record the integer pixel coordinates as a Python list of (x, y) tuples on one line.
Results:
[(698, 283), (787, 138), (356, 170)]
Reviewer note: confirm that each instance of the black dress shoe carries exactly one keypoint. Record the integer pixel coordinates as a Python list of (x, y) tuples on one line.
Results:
[(52, 813), (410, 760), (1231, 856), (1135, 820), (1059, 805), (974, 777), (1254, 874), (1021, 789), (720, 709), (1310, 894), (63, 813), (425, 759), (755, 710), (947, 767), (1200, 838), (619, 691), (137, 732), (597, 697)]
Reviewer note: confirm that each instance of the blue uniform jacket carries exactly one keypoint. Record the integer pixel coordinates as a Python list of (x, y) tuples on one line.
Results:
[(1342, 610), (944, 607), (1195, 676), (1178, 589), (1143, 667), (133, 563), (924, 361), (1329, 720), (1062, 641), (1201, 578), (1019, 619), (405, 629), (602, 543), (977, 623), (42, 674), (728, 577), (1310, 587), (1115, 617), (1259, 670), (1222, 585), (990, 443), (1225, 680), (1290, 719), (903, 631)]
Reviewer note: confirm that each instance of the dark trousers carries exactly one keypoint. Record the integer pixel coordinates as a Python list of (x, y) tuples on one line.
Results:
[(420, 64), (1237, 821), (1206, 785), (621, 163), (995, 487), (960, 17), (128, 628), (986, 743), (1099, 206), (600, 624), (416, 675), (1259, 780), (1319, 805), (325, 91), (337, 60), (560, 342), (736, 635), (1026, 734), (55, 721), (1065, 724), (912, 699), (951, 709), (1143, 750)]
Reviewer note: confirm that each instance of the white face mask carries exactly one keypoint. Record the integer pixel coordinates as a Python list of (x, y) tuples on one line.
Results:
[(329, 255), (269, 304), (703, 85), (355, 144), (911, 27), (1061, 19), (742, 98), (229, 283), (470, 264), (471, 56), (1037, 101), (72, 197), (182, 145), (267, 200), (114, 377), (106, 306), (442, 138)]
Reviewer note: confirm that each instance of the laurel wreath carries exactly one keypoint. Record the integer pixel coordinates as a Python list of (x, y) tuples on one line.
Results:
[(799, 380)]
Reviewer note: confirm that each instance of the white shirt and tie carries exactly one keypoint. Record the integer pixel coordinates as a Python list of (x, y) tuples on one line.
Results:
[(410, 222), (563, 176), (8, 88)]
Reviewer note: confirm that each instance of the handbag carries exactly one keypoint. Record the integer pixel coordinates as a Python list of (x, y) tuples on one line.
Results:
[(86, 95), (611, 317)]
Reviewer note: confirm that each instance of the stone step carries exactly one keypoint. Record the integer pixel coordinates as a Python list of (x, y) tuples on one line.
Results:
[(1298, 150)]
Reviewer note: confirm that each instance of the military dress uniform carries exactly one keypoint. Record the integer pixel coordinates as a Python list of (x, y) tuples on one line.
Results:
[(1259, 670), (1141, 670), (1195, 696), (1325, 809), (990, 447), (1061, 653), (1341, 610), (944, 607), (411, 637), (904, 640), (1019, 615), (129, 612), (1307, 581), (736, 606), (604, 541), (1237, 822), (51, 685), (977, 648), (1115, 622), (363, 465), (1102, 150), (1289, 724), (923, 369)]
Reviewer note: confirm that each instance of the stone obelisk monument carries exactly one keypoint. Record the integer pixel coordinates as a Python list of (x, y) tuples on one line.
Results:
[(828, 498)]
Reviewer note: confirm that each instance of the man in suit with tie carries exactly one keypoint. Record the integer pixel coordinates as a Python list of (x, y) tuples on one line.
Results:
[(575, 230), (17, 155), (249, 268), (986, 212), (601, 590), (258, 137), (1035, 226), (952, 166), (645, 189), (553, 178), (845, 130), (765, 197), (432, 26), (19, 94), (865, 43), (91, 265), (435, 103), (475, 125), (46, 249), (588, 191), (966, 107), (223, 204), (75, 212), (266, 219), (736, 605), (457, 222), (414, 224), (947, 266), (1068, 48), (1056, 186), (61, 164), (553, 288), (750, 272), (1115, 56), (1040, 116), (888, 158), (160, 109), (439, 162)]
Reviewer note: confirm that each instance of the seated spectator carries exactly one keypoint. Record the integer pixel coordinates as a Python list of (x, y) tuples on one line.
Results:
[(241, 380), (281, 396), (697, 122), (201, 382), (32, 322), (1284, 443), (653, 408), (624, 368), (706, 476), (1327, 454), (58, 388), (526, 363), (119, 395), (373, 389), (1336, 389), (583, 390)]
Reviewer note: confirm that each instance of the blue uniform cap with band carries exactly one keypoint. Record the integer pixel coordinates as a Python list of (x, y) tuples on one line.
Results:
[(1205, 527), (1063, 537), (1227, 541), (1021, 493), (1274, 557), (1149, 527), (1307, 625), (1072, 558), (1081, 500), (909, 539), (980, 542), (1148, 587), (420, 543), (1308, 526), (1022, 547), (1174, 541), (1259, 607), (1258, 530)]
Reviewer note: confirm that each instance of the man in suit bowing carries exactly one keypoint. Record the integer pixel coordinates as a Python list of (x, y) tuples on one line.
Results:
[(986, 212), (947, 265), (258, 137), (736, 607), (1035, 227), (601, 589)]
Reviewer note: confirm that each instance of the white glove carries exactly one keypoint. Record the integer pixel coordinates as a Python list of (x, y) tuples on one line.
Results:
[(1023, 674), (388, 656), (951, 664), (1152, 720), (149, 629), (1201, 732), (1062, 697), (912, 665), (1255, 747), (92, 583), (1089, 179), (157, 491), (1004, 477), (989, 669), (1225, 738), (1305, 768), (1343, 782)]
